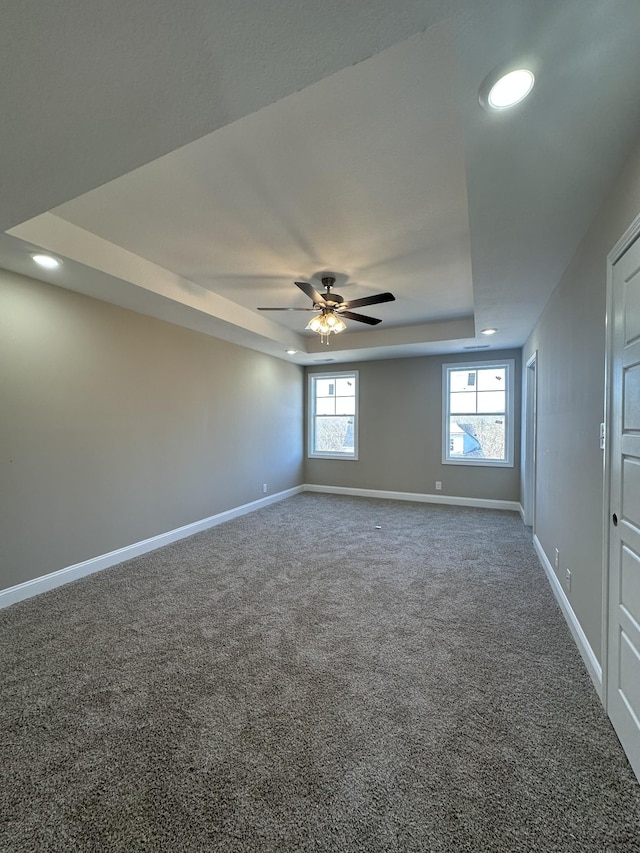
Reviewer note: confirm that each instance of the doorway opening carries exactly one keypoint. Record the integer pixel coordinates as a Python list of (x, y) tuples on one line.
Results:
[(530, 429)]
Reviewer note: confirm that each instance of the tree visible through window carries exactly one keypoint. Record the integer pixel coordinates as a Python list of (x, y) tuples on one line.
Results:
[(478, 413), (333, 403)]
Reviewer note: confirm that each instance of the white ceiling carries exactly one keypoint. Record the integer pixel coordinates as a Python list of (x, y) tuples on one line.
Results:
[(332, 139)]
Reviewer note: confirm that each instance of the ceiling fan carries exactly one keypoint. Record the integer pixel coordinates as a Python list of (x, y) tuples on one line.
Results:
[(330, 308)]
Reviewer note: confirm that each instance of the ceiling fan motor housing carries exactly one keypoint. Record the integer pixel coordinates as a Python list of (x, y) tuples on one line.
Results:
[(331, 299)]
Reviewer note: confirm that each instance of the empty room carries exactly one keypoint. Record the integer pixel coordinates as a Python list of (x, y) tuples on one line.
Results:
[(320, 426)]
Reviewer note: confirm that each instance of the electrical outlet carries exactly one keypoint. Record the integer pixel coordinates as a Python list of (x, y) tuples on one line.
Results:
[(264, 488), (557, 559), (567, 578), (438, 486)]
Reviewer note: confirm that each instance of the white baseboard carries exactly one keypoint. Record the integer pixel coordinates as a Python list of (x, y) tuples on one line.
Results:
[(71, 573), (450, 500), (588, 655), (521, 511)]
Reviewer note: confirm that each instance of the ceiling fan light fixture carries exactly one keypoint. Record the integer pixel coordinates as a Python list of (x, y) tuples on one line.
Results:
[(335, 323), (326, 323)]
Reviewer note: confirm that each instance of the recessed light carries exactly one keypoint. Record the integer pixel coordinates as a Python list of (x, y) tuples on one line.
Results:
[(489, 331), (291, 351), (500, 90), (46, 261)]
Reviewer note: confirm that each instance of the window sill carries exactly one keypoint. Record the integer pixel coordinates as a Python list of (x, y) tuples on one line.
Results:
[(478, 463), (341, 456)]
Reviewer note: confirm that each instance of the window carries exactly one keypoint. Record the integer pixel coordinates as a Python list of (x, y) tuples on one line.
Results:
[(478, 413), (333, 415)]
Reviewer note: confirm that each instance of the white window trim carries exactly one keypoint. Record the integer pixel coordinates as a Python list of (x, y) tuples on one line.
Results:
[(509, 363), (311, 454)]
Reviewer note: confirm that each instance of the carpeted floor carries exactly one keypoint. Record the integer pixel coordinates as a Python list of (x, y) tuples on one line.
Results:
[(299, 680)]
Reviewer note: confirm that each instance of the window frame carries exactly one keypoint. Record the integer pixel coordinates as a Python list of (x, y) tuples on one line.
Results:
[(509, 365), (311, 415)]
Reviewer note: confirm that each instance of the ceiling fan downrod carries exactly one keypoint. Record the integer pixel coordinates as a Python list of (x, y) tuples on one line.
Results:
[(333, 299)]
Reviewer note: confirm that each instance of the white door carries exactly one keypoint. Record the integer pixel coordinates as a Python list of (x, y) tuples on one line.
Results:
[(623, 677)]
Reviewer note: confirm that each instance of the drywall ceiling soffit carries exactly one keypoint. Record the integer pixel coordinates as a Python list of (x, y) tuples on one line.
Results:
[(124, 279), (131, 282)]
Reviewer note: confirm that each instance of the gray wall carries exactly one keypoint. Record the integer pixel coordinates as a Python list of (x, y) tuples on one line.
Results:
[(570, 340), (117, 427), (401, 433)]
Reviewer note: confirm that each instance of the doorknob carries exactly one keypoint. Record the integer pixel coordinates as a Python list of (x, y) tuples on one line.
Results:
[(614, 518)]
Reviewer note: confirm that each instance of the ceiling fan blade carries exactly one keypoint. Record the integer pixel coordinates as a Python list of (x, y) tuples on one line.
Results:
[(311, 292), (361, 318), (285, 309), (369, 300)]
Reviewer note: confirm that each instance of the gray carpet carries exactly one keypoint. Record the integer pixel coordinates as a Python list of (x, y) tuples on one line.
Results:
[(297, 679)]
